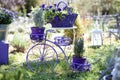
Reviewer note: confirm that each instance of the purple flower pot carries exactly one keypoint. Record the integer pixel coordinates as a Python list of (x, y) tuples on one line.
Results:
[(79, 60), (37, 30), (3, 52), (37, 33), (80, 64)]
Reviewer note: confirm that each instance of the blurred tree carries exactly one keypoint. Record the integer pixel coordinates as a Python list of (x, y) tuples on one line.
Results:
[(21, 6), (116, 6), (11, 4), (14, 5), (100, 7), (33, 3), (85, 7), (29, 4)]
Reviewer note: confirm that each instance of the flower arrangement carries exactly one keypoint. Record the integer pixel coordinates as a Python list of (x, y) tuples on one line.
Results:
[(6, 16), (55, 14)]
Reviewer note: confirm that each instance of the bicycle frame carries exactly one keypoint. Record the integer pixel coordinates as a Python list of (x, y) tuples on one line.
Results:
[(45, 40)]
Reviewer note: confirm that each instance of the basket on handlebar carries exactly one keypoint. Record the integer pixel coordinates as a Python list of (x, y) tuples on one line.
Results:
[(63, 41)]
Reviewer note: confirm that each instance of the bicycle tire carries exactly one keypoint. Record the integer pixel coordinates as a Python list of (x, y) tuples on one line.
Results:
[(37, 62)]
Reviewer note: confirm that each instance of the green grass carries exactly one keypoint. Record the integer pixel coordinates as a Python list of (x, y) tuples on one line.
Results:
[(17, 70)]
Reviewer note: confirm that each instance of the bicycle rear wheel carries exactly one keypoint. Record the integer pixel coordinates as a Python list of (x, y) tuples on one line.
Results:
[(42, 58)]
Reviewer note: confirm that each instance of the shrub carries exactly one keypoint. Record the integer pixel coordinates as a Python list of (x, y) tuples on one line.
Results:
[(19, 42), (38, 17), (80, 28), (78, 47), (79, 31)]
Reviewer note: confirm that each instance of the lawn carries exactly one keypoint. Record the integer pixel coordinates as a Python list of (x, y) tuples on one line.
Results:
[(98, 57)]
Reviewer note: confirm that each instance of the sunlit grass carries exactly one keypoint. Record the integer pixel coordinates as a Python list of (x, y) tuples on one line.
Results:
[(17, 70)]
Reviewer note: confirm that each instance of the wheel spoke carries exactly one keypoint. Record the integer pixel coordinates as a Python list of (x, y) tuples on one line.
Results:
[(37, 61)]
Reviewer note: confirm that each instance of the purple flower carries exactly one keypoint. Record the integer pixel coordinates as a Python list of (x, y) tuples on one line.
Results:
[(50, 7), (55, 5), (53, 10), (59, 9), (56, 18), (43, 6)]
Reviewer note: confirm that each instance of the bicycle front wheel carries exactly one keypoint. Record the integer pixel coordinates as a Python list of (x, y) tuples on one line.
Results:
[(42, 58)]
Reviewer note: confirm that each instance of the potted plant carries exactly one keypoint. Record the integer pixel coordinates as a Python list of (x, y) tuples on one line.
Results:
[(78, 50), (37, 30), (78, 61), (6, 17), (59, 17)]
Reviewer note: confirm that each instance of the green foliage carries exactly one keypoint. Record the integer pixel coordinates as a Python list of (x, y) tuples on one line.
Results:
[(78, 47), (38, 17), (15, 74), (80, 27), (19, 42)]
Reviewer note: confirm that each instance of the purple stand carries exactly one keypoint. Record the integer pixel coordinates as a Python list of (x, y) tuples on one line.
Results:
[(3, 52)]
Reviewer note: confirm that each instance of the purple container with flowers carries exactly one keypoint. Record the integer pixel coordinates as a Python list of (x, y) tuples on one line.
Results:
[(59, 17)]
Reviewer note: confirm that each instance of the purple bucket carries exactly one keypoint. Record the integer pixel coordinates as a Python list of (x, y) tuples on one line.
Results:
[(3, 52)]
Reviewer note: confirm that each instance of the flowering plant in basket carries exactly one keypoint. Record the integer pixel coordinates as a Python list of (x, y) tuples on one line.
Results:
[(59, 17)]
